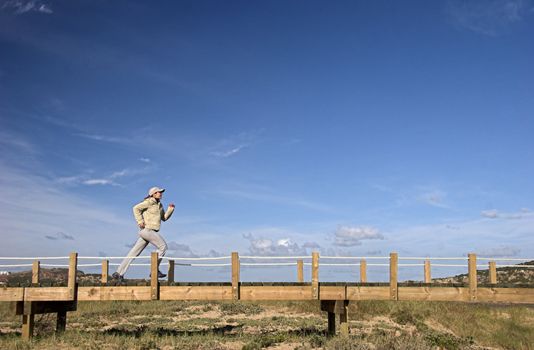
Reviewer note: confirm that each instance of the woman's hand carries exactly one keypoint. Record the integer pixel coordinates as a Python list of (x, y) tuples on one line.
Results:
[(142, 225), (171, 205)]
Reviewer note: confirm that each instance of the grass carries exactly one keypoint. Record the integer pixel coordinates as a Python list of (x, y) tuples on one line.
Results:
[(298, 325)]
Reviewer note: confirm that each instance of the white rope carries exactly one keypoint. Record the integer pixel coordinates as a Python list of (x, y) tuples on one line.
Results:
[(409, 265), (114, 257), (37, 258), (505, 259), (195, 259), (450, 265), (430, 258), (520, 266), (54, 265), (274, 257), (208, 265), (334, 264), (268, 264), (354, 257), (17, 265)]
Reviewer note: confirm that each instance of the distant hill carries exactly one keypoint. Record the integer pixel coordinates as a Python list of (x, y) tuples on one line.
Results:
[(505, 275)]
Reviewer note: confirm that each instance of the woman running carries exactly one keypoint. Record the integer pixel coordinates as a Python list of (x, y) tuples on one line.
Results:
[(148, 215)]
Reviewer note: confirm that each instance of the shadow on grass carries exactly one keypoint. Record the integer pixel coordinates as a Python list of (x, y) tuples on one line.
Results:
[(160, 331)]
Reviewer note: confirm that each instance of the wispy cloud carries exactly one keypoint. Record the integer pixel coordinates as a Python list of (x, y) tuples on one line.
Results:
[(59, 236), (21, 7), (435, 198), (16, 141), (495, 214), (105, 138), (87, 179), (346, 236), (144, 160), (488, 17), (228, 153), (270, 197), (500, 251)]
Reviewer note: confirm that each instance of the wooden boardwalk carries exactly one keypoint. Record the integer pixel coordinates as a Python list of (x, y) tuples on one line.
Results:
[(334, 297)]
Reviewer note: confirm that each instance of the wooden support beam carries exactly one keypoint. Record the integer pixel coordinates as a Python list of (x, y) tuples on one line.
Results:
[(170, 273), (492, 272), (300, 271), (363, 271), (36, 269), (28, 322), (235, 275), (154, 283), (61, 323), (71, 282), (105, 272), (393, 276), (428, 277), (331, 323), (344, 319), (472, 276), (315, 275)]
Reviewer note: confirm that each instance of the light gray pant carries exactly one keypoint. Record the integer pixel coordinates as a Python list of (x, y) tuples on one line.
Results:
[(145, 236)]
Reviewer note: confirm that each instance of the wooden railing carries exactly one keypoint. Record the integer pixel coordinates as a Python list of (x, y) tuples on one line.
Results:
[(334, 297)]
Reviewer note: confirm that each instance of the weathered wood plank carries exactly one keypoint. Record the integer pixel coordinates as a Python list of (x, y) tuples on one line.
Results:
[(506, 295), (196, 293), (47, 293), (300, 270), (368, 293), (114, 293), (434, 293), (235, 275), (11, 294), (276, 293), (332, 293), (393, 276)]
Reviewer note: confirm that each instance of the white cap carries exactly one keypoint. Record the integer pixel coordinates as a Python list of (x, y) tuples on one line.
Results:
[(153, 190)]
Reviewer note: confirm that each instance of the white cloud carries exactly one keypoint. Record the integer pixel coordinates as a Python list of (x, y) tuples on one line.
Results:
[(144, 160), (92, 182), (17, 142), (491, 214), (490, 17), (105, 138), (22, 7), (346, 236), (495, 214), (31, 206), (228, 153), (268, 247)]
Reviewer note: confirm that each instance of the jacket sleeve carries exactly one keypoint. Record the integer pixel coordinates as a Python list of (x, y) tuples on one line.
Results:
[(167, 214), (138, 211)]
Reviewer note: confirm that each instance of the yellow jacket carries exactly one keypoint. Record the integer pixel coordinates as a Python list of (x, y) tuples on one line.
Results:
[(150, 212)]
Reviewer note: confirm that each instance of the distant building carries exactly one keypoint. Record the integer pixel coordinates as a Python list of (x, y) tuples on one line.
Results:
[(5, 273)]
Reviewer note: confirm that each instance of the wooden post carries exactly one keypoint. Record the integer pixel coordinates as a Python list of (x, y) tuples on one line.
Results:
[(331, 323), (36, 267), (71, 282), (154, 283), (428, 277), (28, 321), (170, 273), (393, 275), (315, 275), (363, 271), (300, 271), (105, 271), (492, 272), (472, 276), (344, 319), (235, 275), (61, 323)]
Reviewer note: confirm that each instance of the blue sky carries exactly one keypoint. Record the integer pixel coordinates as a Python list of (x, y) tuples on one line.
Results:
[(277, 127)]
